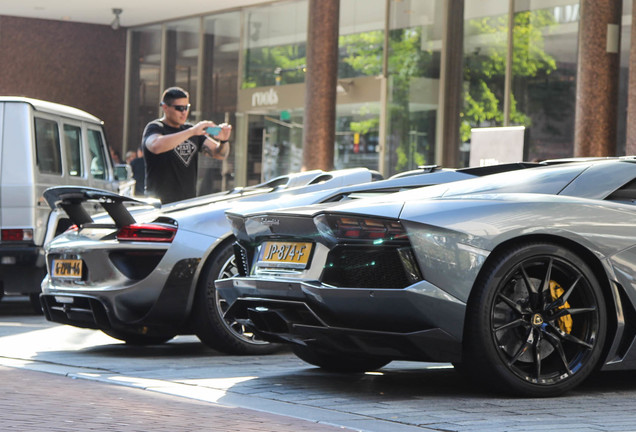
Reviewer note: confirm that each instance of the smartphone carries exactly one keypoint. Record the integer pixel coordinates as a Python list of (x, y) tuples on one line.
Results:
[(213, 131)]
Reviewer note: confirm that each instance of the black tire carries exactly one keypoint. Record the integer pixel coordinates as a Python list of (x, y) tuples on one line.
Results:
[(36, 306), (209, 319), (335, 362), (536, 322), (462, 370), (138, 339)]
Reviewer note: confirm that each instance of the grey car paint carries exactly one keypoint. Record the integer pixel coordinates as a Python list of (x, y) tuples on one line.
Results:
[(162, 301), (454, 229), (202, 226)]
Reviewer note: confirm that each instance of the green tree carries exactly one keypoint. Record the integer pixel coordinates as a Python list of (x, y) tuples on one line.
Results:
[(484, 73), (283, 64), (408, 60), (363, 53)]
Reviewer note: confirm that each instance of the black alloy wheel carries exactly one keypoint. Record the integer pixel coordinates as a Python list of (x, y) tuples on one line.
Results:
[(536, 323), (209, 312)]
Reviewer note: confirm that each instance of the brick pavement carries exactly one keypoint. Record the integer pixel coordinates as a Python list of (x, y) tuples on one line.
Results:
[(37, 401)]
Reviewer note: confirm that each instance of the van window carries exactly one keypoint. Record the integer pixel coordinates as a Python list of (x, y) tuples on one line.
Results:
[(73, 146), (98, 157), (47, 146)]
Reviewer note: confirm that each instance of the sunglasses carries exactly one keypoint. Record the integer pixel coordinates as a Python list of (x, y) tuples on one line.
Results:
[(181, 108)]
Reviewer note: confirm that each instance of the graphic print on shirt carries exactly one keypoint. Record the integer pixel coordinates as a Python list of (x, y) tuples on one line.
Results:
[(186, 151)]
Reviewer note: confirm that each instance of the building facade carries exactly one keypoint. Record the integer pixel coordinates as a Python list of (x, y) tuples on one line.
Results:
[(77, 64), (413, 78)]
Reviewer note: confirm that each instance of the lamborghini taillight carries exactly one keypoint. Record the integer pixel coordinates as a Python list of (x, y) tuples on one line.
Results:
[(362, 228)]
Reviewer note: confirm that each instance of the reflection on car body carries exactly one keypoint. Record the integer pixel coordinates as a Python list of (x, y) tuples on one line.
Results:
[(524, 282), (148, 274)]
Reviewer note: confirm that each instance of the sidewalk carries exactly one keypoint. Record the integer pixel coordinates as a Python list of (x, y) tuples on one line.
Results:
[(37, 401)]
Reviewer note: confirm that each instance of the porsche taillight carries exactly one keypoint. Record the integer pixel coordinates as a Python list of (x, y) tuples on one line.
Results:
[(147, 233)]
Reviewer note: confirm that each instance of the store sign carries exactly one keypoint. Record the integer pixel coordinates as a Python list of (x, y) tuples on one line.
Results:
[(292, 96), (265, 98), (496, 145)]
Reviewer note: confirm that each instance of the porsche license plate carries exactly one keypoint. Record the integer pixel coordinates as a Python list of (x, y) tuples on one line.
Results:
[(293, 255), (67, 268)]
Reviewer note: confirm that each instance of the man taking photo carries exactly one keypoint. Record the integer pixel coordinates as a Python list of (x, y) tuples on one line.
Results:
[(171, 147)]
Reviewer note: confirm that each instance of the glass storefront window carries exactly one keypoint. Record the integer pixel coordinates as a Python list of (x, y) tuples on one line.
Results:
[(275, 41), (361, 40), (485, 48), (415, 44), (145, 93), (282, 144), (360, 55), (182, 48), (357, 134), (544, 76), (543, 71), (258, 48), (218, 91), (274, 144), (221, 64)]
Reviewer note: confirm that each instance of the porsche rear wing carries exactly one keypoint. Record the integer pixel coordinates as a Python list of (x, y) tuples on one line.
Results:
[(71, 198)]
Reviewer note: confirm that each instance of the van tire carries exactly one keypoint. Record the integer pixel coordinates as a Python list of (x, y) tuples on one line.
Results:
[(34, 299)]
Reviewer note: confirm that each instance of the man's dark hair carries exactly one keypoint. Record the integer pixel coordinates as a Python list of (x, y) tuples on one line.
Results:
[(173, 93)]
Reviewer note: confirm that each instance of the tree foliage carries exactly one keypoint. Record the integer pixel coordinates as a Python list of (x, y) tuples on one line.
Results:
[(264, 65), (484, 72), (407, 61), (361, 54)]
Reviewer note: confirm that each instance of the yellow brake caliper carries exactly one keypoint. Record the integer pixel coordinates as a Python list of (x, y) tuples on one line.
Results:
[(565, 322)]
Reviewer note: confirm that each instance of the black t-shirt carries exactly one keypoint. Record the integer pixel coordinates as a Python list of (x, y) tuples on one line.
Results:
[(172, 175)]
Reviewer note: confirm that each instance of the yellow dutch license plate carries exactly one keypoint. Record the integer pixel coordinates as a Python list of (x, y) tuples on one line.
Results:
[(293, 255), (67, 268)]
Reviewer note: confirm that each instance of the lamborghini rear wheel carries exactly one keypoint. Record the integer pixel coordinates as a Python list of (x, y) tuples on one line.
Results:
[(536, 323)]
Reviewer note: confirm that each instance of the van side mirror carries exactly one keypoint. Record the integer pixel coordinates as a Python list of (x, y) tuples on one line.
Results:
[(123, 172)]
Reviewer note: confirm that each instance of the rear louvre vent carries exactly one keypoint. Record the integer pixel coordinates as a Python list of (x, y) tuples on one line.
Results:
[(362, 267), (242, 261)]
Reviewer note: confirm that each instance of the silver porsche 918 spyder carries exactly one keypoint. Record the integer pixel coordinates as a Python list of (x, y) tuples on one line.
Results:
[(524, 280), (146, 275)]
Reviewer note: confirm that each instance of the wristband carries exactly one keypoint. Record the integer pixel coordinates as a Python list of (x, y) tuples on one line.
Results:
[(223, 141)]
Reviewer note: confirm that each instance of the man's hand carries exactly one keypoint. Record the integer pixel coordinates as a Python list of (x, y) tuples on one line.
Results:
[(221, 147), (226, 131), (199, 128)]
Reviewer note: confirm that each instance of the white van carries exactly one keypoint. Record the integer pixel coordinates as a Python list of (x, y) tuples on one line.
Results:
[(44, 144)]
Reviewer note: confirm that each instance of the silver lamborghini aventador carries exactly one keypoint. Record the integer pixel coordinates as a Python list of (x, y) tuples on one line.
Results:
[(524, 280)]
